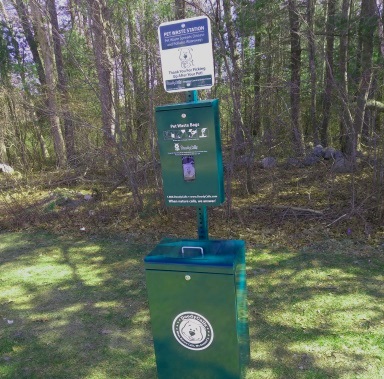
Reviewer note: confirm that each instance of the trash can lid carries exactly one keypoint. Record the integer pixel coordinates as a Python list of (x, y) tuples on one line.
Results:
[(196, 255), (197, 104)]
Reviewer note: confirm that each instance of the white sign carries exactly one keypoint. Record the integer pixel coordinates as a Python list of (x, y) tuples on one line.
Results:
[(192, 331), (186, 54)]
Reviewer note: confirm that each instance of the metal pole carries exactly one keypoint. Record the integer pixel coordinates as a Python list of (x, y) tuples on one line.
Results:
[(202, 212), (192, 96), (202, 223)]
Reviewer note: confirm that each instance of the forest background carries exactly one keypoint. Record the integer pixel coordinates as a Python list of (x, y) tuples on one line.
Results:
[(79, 81)]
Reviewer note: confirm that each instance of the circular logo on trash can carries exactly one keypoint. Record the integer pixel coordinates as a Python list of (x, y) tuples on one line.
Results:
[(192, 331)]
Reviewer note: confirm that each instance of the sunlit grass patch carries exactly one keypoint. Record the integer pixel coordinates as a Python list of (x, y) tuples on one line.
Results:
[(68, 308), (316, 313), (77, 308)]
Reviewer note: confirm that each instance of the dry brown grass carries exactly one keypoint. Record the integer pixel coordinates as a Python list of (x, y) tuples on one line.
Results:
[(289, 206)]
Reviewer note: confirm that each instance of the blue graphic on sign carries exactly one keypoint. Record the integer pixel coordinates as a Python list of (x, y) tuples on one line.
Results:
[(183, 34)]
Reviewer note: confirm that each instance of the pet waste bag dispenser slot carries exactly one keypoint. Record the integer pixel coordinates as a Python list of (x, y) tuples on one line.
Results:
[(198, 308)]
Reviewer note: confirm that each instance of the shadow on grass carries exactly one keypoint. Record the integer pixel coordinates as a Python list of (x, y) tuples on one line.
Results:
[(77, 308), (73, 309), (317, 313)]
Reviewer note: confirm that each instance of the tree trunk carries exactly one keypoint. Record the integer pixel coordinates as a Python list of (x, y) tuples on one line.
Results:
[(368, 24), (312, 68), (4, 81), (44, 40), (179, 9), (256, 119), (24, 17), (242, 143), (99, 25), (328, 80), (20, 140), (3, 149), (294, 22), (346, 120), (27, 29), (62, 84), (235, 80), (139, 109), (380, 18)]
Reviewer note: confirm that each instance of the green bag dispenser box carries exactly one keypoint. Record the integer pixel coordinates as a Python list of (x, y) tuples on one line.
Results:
[(198, 307), (190, 153)]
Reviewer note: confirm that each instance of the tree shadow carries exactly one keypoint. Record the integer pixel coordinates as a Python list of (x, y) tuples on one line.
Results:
[(77, 308), (309, 308), (88, 318)]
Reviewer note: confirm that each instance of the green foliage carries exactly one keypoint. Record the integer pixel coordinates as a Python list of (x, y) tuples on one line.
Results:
[(256, 16), (5, 53), (165, 10)]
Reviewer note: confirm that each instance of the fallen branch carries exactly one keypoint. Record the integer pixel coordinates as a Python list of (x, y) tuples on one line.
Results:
[(338, 219), (376, 105), (289, 208)]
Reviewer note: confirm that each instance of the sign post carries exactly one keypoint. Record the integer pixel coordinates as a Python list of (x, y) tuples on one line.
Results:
[(187, 65), (196, 288)]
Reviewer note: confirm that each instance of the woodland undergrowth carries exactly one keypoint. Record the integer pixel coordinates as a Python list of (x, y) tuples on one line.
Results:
[(287, 206)]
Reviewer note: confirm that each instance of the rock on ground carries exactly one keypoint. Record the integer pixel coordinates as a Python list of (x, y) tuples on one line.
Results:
[(6, 169)]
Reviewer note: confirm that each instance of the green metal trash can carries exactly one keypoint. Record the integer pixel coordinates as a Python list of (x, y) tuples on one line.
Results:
[(198, 307)]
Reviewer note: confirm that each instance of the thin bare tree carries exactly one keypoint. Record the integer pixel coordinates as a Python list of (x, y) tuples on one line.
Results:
[(99, 24), (62, 82), (295, 85), (44, 38)]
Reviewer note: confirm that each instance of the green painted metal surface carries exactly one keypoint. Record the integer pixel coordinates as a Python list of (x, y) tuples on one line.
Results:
[(198, 306), (190, 153), (202, 223), (202, 212)]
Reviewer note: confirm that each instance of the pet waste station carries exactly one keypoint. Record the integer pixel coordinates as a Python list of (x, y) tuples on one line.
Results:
[(196, 287)]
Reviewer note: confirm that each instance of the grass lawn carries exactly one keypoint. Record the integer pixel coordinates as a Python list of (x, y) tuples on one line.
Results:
[(73, 307)]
